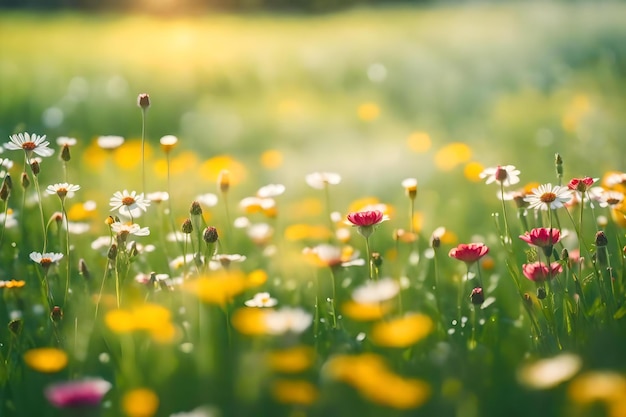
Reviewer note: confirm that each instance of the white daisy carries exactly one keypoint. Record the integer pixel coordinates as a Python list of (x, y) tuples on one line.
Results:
[(46, 259), (320, 180), (261, 299), (293, 320), (30, 143), (376, 291), (548, 196), (129, 204), (64, 140), (271, 190), (63, 189), (207, 200), (168, 142), (129, 229), (158, 196), (110, 142), (505, 175)]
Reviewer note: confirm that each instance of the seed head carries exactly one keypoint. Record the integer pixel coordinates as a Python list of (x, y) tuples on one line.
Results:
[(187, 226), (143, 101)]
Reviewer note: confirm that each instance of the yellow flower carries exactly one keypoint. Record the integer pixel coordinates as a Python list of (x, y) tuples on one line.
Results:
[(210, 170), (419, 142), (271, 159), (295, 359), (607, 387), (472, 171), (218, 288), (294, 392), (46, 360), (368, 111), (128, 156), (303, 231), (152, 318), (140, 402), (402, 332), (12, 284), (452, 155), (120, 321), (365, 312), (250, 321), (256, 278)]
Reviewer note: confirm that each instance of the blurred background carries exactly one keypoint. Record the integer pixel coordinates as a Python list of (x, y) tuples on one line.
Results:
[(375, 91)]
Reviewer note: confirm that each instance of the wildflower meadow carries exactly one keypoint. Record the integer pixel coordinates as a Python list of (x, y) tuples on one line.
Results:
[(147, 274)]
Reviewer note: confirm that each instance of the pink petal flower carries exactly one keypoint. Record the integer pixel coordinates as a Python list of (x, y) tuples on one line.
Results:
[(84, 393), (366, 218), (539, 271), (469, 253), (542, 237)]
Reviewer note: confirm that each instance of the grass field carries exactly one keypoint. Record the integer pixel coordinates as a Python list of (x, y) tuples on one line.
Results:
[(437, 94)]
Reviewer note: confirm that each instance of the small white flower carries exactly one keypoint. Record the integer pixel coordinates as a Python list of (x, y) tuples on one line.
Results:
[(271, 190), (158, 196), (224, 260), (64, 140), (110, 142), (101, 242), (46, 259), (207, 200), (548, 373), (287, 319), (78, 228), (129, 204), (261, 299), (320, 180), (548, 196), (63, 189), (376, 291), (8, 221), (6, 163), (505, 175), (180, 261), (129, 229), (254, 204), (260, 233), (30, 143), (608, 198), (168, 142)]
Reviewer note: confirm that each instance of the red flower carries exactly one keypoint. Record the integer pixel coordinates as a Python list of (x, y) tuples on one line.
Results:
[(366, 218), (542, 237), (469, 253), (581, 184), (539, 271)]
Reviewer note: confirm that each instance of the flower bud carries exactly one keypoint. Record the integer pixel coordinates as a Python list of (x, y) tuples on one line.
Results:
[(4, 191), (187, 226), (15, 326), (25, 181), (601, 239), (223, 180), (195, 209), (143, 101), (34, 166), (65, 153), (377, 259), (435, 242), (558, 161), (56, 314), (477, 297), (541, 293), (210, 234), (112, 253), (565, 255), (83, 270)]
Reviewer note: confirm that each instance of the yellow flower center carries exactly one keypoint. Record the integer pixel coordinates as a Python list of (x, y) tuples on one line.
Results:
[(28, 146), (128, 201), (45, 262)]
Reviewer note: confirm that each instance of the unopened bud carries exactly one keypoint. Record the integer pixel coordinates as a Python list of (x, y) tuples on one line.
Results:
[(477, 297), (83, 270), (435, 242), (187, 226), (4, 192), (377, 260), (25, 181), (34, 166), (210, 234), (195, 209), (541, 293), (558, 161), (223, 180), (112, 253), (565, 255), (501, 174), (57, 217), (56, 314), (601, 239), (65, 153), (143, 101), (15, 326)]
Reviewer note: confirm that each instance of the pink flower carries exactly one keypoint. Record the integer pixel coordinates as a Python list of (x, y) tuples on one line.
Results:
[(581, 184), (84, 393), (542, 237), (367, 218), (539, 271), (469, 253)]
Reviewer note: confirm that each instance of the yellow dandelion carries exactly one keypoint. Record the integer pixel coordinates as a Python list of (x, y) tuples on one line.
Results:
[(364, 312), (150, 316), (296, 232), (472, 171), (140, 402), (397, 392), (271, 159), (368, 111), (402, 332), (450, 156), (95, 157), (300, 392), (419, 142), (128, 156), (13, 284), (256, 278), (165, 333), (81, 212), (291, 360), (184, 162), (211, 169), (120, 321), (46, 360)]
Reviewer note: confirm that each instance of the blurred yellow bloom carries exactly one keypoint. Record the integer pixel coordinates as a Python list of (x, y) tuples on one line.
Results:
[(297, 232), (256, 278), (12, 284), (575, 112), (271, 159), (152, 318), (211, 169), (370, 376), (128, 156), (550, 372), (365, 312), (418, 221), (402, 332), (607, 387), (46, 360), (472, 171), (291, 360), (219, 287), (95, 157), (618, 214), (140, 402), (419, 142), (250, 321), (452, 155), (368, 111), (81, 211), (289, 391)]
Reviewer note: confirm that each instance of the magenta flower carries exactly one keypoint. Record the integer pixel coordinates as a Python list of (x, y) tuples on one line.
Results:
[(581, 184), (74, 394), (469, 253), (542, 237), (539, 271), (365, 221)]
